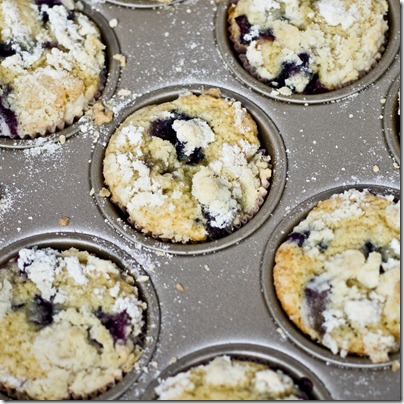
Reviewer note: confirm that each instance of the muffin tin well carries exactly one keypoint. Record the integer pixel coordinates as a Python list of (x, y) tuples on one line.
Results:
[(270, 140), (277, 238), (225, 47), (216, 297), (111, 42), (105, 250), (274, 359)]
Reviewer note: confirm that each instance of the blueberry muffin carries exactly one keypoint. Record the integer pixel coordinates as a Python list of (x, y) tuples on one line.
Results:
[(52, 66), (228, 379), (337, 275), (71, 326), (305, 46), (188, 170)]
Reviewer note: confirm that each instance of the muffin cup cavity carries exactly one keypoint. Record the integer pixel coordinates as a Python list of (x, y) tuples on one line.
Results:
[(391, 119), (280, 234), (272, 358), (108, 84), (270, 141), (145, 3), (242, 70), (130, 268)]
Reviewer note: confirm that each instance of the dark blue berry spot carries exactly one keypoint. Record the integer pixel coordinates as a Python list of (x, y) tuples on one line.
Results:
[(50, 3), (290, 69), (299, 238), (316, 301), (40, 312), (214, 232), (315, 86), (163, 128), (245, 29), (116, 324), (9, 118), (6, 50)]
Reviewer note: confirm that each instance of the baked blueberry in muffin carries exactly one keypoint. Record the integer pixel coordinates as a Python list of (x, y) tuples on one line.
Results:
[(225, 378), (337, 275), (307, 46), (52, 66), (71, 326), (188, 170)]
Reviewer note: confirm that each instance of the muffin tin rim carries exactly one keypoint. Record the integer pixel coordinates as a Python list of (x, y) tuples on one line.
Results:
[(280, 233), (390, 119), (276, 188), (142, 4), (272, 357), (231, 61), (104, 249), (112, 47)]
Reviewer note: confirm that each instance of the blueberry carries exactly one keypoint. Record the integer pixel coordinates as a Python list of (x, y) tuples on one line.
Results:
[(290, 69), (267, 34), (116, 324), (6, 50), (244, 27), (299, 238), (315, 86), (214, 232), (40, 312), (369, 247), (50, 3), (10, 119), (163, 128), (196, 157), (316, 301)]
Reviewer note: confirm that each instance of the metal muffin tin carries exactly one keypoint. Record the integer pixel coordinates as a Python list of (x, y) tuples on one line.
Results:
[(391, 119), (212, 294)]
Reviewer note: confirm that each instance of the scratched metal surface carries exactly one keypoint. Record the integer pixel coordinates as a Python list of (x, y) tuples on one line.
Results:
[(327, 145)]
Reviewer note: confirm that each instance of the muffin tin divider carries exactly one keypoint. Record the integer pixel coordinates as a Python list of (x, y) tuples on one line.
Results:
[(327, 146)]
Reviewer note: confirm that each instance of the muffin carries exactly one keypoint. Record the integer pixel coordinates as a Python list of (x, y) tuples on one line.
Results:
[(188, 170), (52, 66), (337, 275), (224, 378), (307, 46), (71, 326)]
